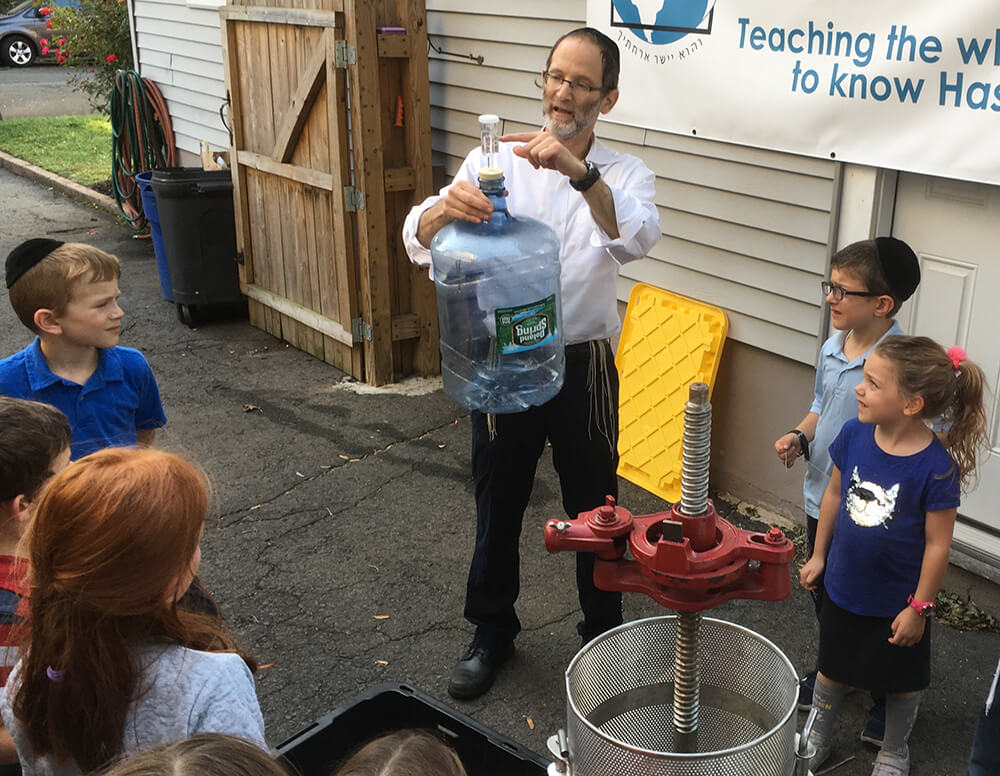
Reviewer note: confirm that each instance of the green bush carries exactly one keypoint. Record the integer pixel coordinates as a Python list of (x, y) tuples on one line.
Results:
[(94, 32)]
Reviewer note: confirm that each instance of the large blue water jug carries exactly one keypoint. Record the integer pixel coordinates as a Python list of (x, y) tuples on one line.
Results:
[(499, 307)]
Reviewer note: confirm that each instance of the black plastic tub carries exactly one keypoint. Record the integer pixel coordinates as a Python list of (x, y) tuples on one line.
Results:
[(199, 237), (321, 747)]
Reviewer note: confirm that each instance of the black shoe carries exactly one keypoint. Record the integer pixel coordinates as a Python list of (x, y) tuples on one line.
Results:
[(874, 730), (474, 673)]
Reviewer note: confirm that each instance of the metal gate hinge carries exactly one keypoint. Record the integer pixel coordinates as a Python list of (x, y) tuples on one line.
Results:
[(344, 53), (354, 200), (360, 330)]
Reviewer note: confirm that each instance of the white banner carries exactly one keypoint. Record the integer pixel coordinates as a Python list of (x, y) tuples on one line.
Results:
[(910, 85)]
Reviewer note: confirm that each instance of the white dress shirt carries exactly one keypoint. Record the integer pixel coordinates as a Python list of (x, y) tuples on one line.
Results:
[(589, 258)]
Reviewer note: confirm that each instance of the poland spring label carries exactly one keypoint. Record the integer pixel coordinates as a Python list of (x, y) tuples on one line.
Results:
[(527, 326)]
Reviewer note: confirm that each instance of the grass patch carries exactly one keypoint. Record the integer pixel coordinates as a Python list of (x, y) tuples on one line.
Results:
[(75, 147)]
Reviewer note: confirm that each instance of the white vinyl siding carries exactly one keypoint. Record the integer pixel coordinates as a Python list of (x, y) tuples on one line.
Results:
[(180, 49), (743, 228)]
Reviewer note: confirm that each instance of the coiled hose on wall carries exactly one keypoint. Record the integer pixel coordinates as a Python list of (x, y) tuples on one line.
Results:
[(142, 138)]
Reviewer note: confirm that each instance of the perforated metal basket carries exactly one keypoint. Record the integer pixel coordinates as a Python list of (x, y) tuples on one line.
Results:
[(619, 695)]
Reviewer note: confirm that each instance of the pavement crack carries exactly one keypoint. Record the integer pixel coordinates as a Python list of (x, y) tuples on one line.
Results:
[(241, 513)]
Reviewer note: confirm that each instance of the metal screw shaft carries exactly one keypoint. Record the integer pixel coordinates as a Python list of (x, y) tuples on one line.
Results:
[(697, 448), (694, 501), (687, 681)]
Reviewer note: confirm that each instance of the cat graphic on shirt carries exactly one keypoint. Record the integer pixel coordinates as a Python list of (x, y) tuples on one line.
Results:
[(869, 504)]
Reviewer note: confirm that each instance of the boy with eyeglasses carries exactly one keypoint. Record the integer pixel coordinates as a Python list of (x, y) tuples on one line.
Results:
[(869, 280)]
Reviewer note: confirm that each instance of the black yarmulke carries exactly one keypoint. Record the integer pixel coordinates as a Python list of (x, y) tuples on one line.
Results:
[(899, 265), (27, 255)]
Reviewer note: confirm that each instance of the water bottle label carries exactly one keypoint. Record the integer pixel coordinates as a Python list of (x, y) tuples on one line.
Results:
[(527, 326)]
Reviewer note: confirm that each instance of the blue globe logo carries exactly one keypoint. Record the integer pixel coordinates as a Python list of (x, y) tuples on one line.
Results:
[(673, 20)]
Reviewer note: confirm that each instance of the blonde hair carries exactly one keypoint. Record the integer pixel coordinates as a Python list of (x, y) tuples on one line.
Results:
[(204, 754), (404, 753), (955, 394), (50, 283)]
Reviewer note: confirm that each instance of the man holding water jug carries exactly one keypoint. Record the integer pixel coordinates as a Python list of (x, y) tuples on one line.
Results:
[(599, 203)]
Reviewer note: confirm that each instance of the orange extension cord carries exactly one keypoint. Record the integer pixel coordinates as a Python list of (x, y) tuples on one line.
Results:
[(142, 139)]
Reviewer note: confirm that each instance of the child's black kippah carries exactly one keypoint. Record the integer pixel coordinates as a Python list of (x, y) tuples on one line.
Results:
[(27, 255), (899, 265)]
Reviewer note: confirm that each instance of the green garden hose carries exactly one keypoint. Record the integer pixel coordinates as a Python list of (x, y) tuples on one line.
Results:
[(141, 139)]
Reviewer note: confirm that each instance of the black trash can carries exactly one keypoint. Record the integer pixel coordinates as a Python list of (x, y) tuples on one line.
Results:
[(199, 236)]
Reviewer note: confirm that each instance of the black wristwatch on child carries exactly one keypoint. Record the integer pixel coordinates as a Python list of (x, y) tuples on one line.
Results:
[(803, 442)]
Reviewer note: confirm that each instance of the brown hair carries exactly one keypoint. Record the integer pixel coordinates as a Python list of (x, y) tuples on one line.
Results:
[(109, 536), (49, 284), (861, 259), (923, 368), (404, 753), (32, 435), (204, 754), (610, 56)]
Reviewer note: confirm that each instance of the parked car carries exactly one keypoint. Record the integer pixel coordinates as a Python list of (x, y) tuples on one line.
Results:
[(21, 29)]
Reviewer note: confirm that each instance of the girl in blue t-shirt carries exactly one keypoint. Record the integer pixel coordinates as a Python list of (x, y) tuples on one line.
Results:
[(884, 532)]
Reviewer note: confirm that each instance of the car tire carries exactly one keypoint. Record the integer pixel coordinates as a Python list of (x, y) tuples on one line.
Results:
[(17, 51)]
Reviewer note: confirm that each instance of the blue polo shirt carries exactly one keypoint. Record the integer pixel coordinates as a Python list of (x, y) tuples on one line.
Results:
[(120, 398), (836, 403)]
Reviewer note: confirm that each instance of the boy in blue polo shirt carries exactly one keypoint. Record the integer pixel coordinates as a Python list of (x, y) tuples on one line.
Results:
[(67, 293), (869, 280)]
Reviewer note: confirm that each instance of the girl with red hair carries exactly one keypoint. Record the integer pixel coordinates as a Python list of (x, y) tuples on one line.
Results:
[(111, 664)]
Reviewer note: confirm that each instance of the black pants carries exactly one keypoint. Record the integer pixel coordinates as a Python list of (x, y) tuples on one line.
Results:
[(504, 472)]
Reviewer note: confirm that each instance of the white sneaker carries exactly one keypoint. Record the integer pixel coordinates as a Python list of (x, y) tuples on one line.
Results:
[(887, 764)]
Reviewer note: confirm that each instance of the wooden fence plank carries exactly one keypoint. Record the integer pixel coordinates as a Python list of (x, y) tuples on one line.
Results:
[(320, 180), (366, 114), (282, 15), (300, 104), (299, 313)]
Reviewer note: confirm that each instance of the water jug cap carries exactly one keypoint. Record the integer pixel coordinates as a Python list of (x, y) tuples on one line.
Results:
[(490, 174), (489, 118)]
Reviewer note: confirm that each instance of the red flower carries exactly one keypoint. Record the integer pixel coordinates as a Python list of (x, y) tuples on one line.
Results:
[(45, 50), (111, 58), (91, 70), (43, 11), (60, 59), (48, 24), (44, 42), (62, 41)]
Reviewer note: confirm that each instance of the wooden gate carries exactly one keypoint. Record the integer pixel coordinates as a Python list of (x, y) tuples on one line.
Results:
[(331, 147)]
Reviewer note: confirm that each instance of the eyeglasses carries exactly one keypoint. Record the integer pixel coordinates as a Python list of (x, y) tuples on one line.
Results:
[(839, 293), (579, 89)]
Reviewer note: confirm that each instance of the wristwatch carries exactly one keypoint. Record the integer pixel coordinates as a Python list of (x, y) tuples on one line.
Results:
[(924, 608), (803, 442), (589, 178)]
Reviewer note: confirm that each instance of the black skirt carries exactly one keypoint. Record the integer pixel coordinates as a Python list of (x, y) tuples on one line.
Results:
[(855, 650)]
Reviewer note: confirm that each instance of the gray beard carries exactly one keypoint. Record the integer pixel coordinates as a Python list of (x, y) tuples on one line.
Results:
[(568, 131)]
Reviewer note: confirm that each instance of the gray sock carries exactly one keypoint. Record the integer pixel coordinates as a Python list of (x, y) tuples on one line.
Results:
[(900, 714), (826, 701)]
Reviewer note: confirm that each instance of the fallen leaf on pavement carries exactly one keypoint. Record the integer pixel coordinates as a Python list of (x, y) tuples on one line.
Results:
[(250, 407), (381, 662), (381, 616), (531, 723)]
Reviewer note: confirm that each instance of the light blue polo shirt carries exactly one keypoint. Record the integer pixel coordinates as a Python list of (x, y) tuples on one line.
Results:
[(836, 403), (120, 398)]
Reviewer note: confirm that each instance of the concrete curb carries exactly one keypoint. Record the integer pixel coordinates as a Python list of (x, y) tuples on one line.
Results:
[(58, 183)]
